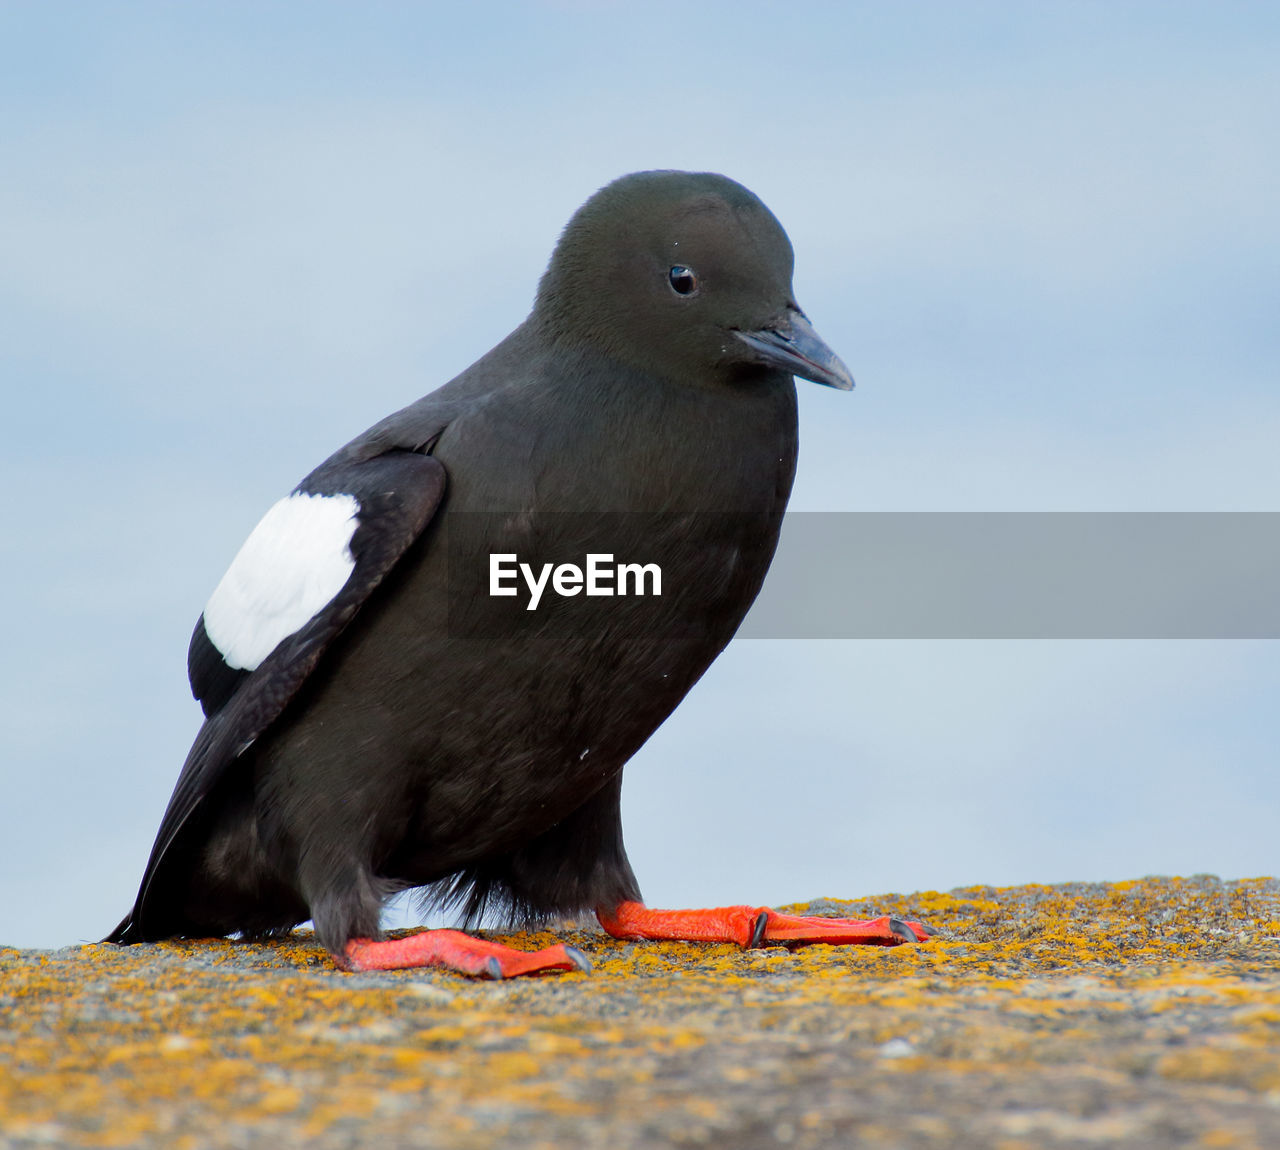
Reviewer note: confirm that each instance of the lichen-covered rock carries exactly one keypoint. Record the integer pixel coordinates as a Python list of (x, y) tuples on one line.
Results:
[(1143, 1012)]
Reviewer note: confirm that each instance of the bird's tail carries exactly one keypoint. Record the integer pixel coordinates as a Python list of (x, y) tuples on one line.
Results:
[(125, 933)]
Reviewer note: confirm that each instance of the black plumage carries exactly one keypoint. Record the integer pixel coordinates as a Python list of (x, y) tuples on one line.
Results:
[(416, 732)]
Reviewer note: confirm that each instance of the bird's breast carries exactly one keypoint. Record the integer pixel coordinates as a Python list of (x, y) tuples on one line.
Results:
[(585, 571)]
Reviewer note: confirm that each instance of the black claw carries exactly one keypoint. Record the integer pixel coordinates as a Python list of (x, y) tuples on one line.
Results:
[(757, 932), (580, 960), (901, 929), (494, 967), (929, 930)]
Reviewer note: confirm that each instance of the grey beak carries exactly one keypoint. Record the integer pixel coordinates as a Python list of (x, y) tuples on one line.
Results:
[(794, 346)]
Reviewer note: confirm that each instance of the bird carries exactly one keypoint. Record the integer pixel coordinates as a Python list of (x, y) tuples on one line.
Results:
[(385, 705)]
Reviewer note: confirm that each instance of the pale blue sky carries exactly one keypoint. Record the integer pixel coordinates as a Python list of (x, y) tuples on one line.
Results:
[(1044, 237)]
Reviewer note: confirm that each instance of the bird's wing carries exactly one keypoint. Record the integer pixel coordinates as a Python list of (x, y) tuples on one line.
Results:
[(300, 578)]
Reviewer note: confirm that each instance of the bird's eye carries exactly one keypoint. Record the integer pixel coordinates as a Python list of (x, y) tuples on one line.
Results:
[(682, 280)]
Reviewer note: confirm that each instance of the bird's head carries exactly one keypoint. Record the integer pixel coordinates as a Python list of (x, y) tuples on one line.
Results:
[(686, 273)]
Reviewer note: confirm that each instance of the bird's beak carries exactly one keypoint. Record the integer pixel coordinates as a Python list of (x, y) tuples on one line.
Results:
[(793, 345)]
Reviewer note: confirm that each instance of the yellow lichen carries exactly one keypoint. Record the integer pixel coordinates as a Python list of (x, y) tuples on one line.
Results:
[(158, 1045)]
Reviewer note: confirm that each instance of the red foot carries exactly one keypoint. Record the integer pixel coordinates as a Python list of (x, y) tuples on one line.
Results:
[(461, 952), (755, 926)]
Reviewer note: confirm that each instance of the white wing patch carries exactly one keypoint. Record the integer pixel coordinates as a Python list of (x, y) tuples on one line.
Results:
[(293, 563)]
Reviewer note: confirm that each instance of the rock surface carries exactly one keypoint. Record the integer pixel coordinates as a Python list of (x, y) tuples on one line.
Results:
[(1141, 1013)]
